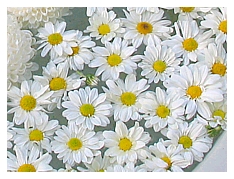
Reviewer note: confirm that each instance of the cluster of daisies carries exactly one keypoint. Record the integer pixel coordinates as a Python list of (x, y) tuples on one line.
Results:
[(176, 89)]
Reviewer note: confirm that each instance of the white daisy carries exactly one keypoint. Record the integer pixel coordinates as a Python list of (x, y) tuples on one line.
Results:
[(161, 109), (10, 134), (140, 10), (142, 27), (217, 22), (105, 26), (196, 86), (81, 54), (28, 161), (125, 145), (87, 107), (55, 39), (125, 97), (75, 144), (166, 159), (189, 41), (92, 10), (28, 102), (37, 136), (158, 63), (113, 59), (194, 139), (129, 167)]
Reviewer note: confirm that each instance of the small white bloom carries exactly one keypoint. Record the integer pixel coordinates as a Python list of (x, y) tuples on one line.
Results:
[(140, 10), (92, 10), (129, 167)]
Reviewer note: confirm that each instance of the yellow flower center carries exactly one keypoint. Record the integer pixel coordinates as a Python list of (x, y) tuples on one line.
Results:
[(36, 135), (125, 144), (219, 68), (87, 110), (75, 51), (187, 9), (144, 28), (114, 60), (104, 29), (162, 111), (55, 39), (219, 113), (159, 66), (128, 98), (194, 92), (190, 44), (185, 141), (101, 170), (168, 161), (28, 103), (26, 168), (74, 144), (223, 26), (58, 84)]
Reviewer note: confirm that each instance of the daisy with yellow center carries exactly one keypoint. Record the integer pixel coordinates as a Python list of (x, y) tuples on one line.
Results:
[(75, 144), (125, 145)]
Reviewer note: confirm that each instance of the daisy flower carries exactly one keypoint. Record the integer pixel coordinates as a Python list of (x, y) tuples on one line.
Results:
[(125, 145), (87, 107), (75, 144), (189, 41), (10, 134), (194, 139), (196, 86), (129, 167), (92, 10), (104, 26), (113, 59), (28, 102), (80, 53), (140, 10), (37, 136), (142, 27), (158, 63), (28, 161), (125, 97), (166, 159), (217, 22), (161, 109), (55, 39)]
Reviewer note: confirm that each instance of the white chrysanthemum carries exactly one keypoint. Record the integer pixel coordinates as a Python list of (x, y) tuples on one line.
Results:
[(140, 10), (189, 41), (28, 161), (158, 63), (194, 139), (34, 17), (105, 26), (10, 134), (81, 54), (28, 102), (19, 53), (129, 167), (92, 10), (75, 144), (113, 59), (125, 97), (125, 145), (56, 40), (196, 86), (140, 28), (87, 108), (217, 22), (56, 77), (161, 109), (166, 159), (37, 136)]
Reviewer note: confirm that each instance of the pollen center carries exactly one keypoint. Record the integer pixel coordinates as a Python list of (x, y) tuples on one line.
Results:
[(223, 26), (26, 168), (28, 103), (57, 84), (219, 113), (190, 44), (185, 141), (162, 111), (75, 51), (55, 39), (187, 9), (219, 68), (87, 110), (128, 98), (36, 135), (144, 28), (194, 92), (74, 144), (114, 60), (159, 66), (168, 161), (125, 144), (104, 29)]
